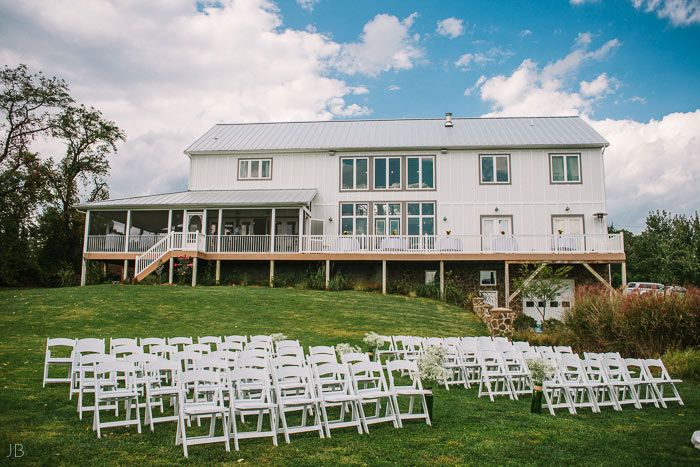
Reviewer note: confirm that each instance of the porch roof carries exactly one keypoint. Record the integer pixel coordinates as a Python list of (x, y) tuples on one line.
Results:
[(209, 199)]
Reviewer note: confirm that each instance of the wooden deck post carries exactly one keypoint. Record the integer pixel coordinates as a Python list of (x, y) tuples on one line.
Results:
[(328, 272), (127, 232), (125, 272), (272, 273), (83, 273), (624, 274), (507, 285), (83, 270), (384, 277), (194, 271), (171, 270), (442, 280), (218, 271)]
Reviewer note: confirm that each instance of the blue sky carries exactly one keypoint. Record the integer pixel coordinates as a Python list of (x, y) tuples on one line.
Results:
[(167, 70)]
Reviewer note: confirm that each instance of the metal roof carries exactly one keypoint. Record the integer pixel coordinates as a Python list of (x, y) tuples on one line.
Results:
[(210, 198), (520, 132)]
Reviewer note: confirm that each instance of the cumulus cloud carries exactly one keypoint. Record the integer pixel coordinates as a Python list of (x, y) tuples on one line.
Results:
[(393, 87), (166, 71), (581, 2), (308, 4), (678, 12), (451, 27), (385, 44), (495, 54), (648, 166), (525, 32)]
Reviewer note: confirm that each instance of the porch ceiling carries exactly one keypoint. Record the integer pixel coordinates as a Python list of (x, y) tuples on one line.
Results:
[(209, 199)]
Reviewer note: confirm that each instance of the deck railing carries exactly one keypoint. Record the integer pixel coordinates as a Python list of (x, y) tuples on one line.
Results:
[(366, 244)]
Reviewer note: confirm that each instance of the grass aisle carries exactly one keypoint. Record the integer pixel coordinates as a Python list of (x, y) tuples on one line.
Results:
[(467, 431)]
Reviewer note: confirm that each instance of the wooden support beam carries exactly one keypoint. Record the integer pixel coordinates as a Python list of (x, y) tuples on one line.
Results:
[(125, 272), (624, 274), (171, 270), (218, 271), (328, 272), (384, 277), (506, 281), (83, 272), (526, 282), (272, 273), (194, 271), (599, 277), (442, 280)]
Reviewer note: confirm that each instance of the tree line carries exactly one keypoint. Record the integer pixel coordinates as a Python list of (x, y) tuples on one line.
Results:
[(41, 233)]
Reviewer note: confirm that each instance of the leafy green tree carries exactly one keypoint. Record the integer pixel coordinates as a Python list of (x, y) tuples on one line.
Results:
[(546, 286)]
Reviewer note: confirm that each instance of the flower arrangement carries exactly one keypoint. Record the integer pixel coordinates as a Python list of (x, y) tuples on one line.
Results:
[(373, 340), (448, 232), (503, 232), (560, 231), (540, 370), (277, 337), (345, 232), (393, 232), (431, 365), (344, 348)]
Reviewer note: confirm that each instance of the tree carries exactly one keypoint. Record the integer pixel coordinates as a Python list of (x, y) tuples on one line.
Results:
[(541, 284)]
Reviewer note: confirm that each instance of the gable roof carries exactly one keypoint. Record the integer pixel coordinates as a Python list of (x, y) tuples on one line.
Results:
[(210, 199), (520, 132)]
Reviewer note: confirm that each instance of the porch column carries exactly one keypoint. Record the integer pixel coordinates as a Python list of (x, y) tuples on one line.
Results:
[(127, 232), (218, 271), (272, 272), (301, 227), (170, 220), (507, 285), (194, 271), (125, 274), (218, 234), (171, 270), (83, 270), (272, 232), (442, 280), (184, 221), (204, 228), (624, 274), (383, 277), (328, 272)]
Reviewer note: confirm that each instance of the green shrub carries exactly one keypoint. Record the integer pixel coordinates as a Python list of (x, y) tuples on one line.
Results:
[(315, 278), (284, 280), (399, 287), (523, 322), (540, 338), (338, 282), (683, 364), (431, 290)]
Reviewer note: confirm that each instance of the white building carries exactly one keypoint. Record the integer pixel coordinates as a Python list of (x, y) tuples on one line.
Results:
[(503, 190)]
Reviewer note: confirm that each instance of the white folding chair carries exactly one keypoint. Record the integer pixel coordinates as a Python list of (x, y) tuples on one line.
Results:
[(619, 380), (201, 395), (603, 391), (179, 342), (230, 346), (294, 391), (161, 384), (211, 341), (186, 359), (412, 391), (147, 342), (578, 389), (517, 371), (354, 357), (494, 380), (114, 383), (640, 380), (563, 349), (87, 366), (469, 361), (119, 341), (387, 348), (228, 356), (322, 350), (334, 389), (121, 351), (82, 347), (522, 346), (202, 349), (64, 360), (249, 392), (661, 381), (237, 338), (370, 385), (455, 374)]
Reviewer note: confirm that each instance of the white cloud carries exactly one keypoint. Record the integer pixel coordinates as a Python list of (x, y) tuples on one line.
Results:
[(393, 87), (451, 27), (583, 39), (165, 72), (637, 99), (581, 2), (477, 85), (678, 12), (308, 4), (525, 32), (599, 87), (385, 44), (464, 61), (495, 54)]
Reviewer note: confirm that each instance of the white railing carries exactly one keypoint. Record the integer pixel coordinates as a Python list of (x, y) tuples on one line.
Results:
[(368, 244), (153, 254)]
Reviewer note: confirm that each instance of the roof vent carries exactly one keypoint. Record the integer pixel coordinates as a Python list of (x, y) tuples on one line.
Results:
[(448, 120)]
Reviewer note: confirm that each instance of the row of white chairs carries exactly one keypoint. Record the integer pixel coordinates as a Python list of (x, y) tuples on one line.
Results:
[(202, 384)]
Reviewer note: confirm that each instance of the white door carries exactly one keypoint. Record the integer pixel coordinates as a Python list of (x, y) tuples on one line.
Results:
[(194, 226), (496, 233), (490, 297), (568, 233)]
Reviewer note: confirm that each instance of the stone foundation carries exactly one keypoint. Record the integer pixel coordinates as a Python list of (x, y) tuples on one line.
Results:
[(499, 321)]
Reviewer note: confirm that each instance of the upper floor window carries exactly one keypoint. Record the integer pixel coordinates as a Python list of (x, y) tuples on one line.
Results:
[(495, 168), (420, 172), (354, 173), (565, 168), (387, 173), (254, 169)]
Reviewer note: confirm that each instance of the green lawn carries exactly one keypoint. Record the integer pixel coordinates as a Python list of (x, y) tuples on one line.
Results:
[(466, 431)]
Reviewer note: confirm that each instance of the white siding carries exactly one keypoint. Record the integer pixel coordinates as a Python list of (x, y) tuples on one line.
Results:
[(530, 198)]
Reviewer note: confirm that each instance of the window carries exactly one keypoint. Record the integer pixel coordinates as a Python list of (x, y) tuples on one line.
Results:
[(420, 173), (565, 168), (387, 173), (353, 218), (387, 218), (495, 168), (420, 218), (253, 169), (565, 304), (554, 304), (354, 173), (487, 278)]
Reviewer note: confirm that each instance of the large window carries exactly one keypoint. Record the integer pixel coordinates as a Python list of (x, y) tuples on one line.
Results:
[(387, 173), (420, 218), (387, 218), (420, 172), (354, 218), (565, 168), (495, 168), (254, 169), (354, 173)]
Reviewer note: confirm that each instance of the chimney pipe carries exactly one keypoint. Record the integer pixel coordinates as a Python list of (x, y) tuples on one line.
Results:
[(448, 120)]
